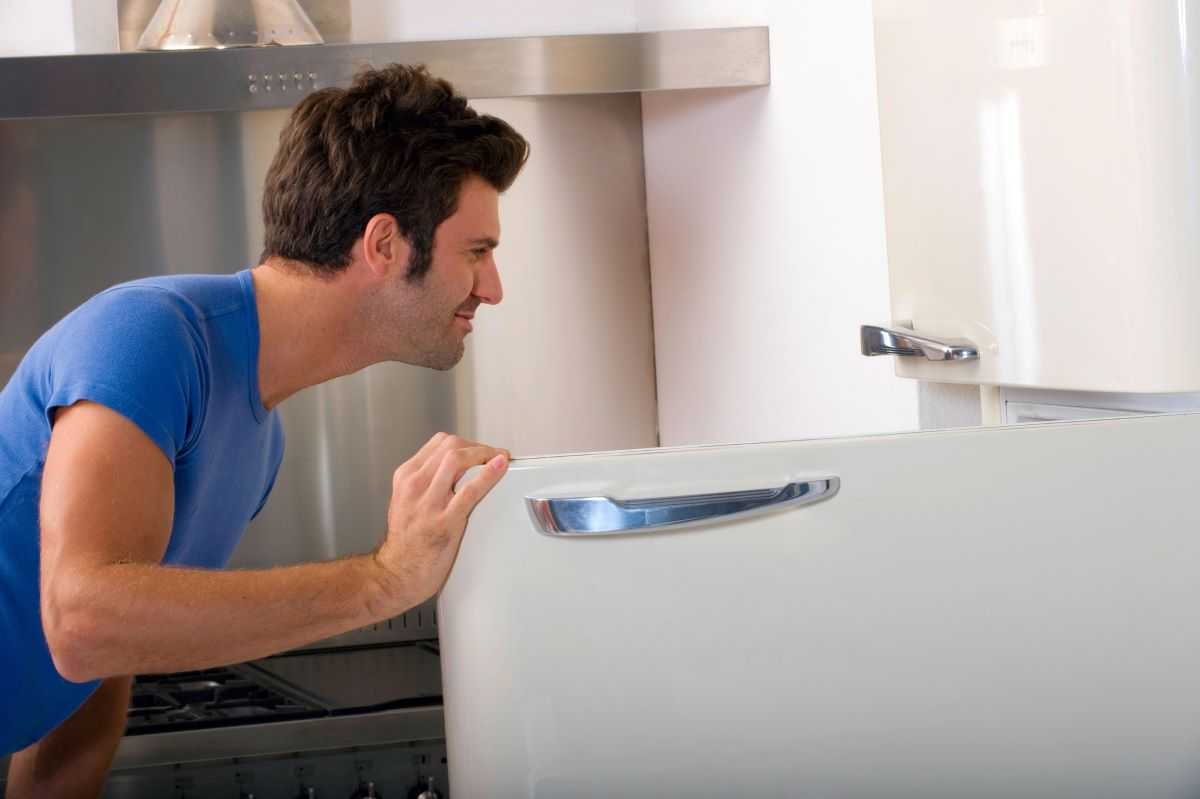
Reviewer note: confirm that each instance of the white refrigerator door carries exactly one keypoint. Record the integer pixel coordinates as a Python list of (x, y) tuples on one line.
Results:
[(986, 613)]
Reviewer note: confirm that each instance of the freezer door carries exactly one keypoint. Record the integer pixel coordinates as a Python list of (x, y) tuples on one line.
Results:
[(987, 613)]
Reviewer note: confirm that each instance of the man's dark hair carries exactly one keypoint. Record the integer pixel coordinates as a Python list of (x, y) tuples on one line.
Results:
[(398, 141)]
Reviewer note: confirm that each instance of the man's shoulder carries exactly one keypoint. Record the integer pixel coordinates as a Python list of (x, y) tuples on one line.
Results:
[(144, 349), (129, 318), (199, 297), (174, 311)]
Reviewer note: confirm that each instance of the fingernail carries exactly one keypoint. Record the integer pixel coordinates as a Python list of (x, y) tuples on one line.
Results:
[(497, 462)]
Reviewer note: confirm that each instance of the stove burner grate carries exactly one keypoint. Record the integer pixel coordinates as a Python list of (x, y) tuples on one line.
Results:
[(208, 698)]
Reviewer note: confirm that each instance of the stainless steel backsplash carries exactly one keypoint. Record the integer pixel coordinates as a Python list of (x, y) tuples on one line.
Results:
[(87, 203)]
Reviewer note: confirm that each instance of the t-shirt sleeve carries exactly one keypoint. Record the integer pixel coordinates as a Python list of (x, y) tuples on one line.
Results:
[(276, 460), (138, 351)]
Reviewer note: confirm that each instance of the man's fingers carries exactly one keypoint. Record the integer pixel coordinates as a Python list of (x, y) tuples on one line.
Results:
[(472, 492), (429, 454), (441, 443), (422, 456), (455, 464)]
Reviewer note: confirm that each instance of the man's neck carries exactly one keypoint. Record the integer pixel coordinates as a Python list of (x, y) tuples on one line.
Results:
[(306, 331)]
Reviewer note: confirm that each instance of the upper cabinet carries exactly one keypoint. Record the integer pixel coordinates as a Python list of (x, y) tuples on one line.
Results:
[(1042, 188)]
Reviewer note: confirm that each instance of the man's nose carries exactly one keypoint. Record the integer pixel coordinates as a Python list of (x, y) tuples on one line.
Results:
[(487, 283)]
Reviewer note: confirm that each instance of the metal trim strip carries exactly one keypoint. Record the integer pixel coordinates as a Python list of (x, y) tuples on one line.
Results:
[(255, 78)]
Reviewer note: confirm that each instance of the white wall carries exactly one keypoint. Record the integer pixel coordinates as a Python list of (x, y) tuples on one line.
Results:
[(767, 238), (36, 27), (566, 362), (390, 20), (53, 27)]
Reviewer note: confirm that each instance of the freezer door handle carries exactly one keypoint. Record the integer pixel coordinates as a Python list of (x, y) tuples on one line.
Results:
[(903, 340), (588, 516)]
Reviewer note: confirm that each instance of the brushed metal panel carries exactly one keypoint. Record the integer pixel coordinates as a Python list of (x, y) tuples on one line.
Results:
[(273, 77), (84, 205), (359, 679), (388, 726)]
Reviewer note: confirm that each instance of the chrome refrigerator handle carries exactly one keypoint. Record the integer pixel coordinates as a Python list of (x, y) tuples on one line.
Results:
[(587, 516), (879, 340)]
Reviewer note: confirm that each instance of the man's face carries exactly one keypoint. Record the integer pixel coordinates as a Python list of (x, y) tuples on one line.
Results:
[(436, 310)]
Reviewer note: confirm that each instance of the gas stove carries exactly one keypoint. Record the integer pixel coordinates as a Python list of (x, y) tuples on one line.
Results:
[(359, 707), (394, 664), (310, 723)]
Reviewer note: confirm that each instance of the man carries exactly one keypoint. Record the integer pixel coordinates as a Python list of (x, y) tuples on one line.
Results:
[(137, 437)]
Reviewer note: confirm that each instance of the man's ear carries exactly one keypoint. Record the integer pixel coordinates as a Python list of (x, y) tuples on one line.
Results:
[(384, 248)]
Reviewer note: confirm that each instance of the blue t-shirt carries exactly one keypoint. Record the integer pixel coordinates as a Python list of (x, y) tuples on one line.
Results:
[(178, 356)]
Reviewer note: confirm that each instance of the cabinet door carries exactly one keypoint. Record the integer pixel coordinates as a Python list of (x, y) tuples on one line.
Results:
[(987, 612)]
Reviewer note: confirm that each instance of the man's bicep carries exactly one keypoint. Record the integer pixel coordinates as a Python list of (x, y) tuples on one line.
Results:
[(107, 492)]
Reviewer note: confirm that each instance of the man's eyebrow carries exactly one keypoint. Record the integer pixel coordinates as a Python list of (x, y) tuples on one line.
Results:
[(487, 241)]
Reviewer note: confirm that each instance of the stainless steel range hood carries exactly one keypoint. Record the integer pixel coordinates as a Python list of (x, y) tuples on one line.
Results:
[(250, 79)]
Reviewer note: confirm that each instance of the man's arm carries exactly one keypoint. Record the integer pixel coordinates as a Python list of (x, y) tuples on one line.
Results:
[(74, 758), (110, 609)]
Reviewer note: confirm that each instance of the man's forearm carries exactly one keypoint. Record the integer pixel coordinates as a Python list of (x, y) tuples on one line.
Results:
[(134, 618), (73, 759)]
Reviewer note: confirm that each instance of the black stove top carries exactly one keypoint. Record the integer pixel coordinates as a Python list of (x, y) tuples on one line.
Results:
[(208, 698)]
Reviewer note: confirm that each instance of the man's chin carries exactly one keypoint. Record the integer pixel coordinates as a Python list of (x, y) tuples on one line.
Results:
[(444, 366), (440, 361)]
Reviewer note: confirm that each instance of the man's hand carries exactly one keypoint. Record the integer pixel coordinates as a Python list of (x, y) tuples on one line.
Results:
[(427, 517)]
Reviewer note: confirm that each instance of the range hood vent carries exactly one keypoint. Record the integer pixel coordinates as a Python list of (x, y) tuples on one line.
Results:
[(217, 24), (257, 78)]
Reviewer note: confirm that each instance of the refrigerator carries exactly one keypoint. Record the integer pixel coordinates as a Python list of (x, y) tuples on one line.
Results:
[(1007, 609)]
